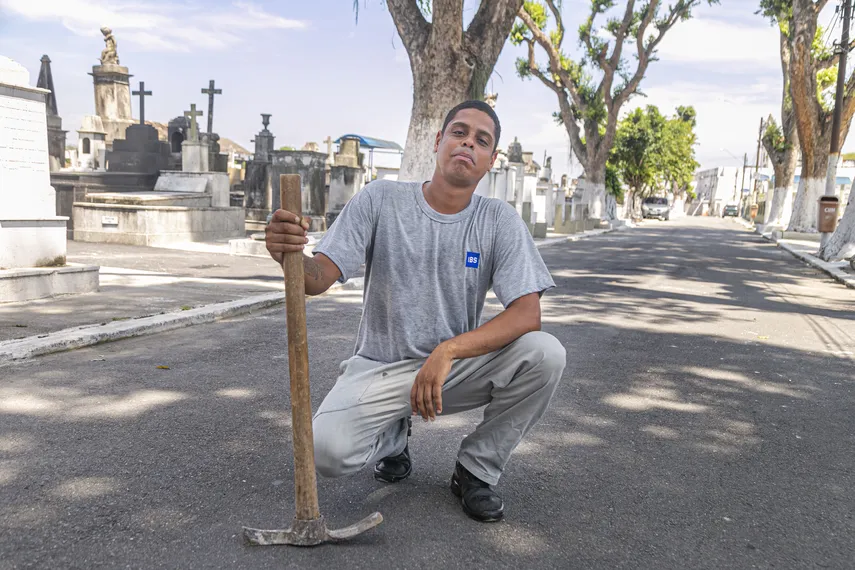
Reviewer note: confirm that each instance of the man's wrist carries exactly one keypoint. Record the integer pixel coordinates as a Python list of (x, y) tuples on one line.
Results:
[(445, 350)]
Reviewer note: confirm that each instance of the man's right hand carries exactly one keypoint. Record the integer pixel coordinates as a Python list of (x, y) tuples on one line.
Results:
[(286, 233)]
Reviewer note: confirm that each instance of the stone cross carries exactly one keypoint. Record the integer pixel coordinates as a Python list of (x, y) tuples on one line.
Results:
[(210, 92), (329, 142), (142, 93), (192, 114)]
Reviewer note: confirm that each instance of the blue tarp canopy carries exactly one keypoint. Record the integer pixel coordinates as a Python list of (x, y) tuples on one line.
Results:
[(371, 143), (841, 180)]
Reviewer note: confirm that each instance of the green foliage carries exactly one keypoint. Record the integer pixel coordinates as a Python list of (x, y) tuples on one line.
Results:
[(614, 186), (826, 79), (773, 136), (778, 11), (652, 152)]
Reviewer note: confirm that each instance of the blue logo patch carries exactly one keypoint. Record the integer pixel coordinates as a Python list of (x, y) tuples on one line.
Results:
[(473, 259)]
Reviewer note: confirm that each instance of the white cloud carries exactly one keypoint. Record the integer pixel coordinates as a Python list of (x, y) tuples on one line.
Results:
[(727, 46), (154, 26)]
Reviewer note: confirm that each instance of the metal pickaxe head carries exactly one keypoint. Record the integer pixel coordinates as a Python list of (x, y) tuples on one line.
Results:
[(309, 533)]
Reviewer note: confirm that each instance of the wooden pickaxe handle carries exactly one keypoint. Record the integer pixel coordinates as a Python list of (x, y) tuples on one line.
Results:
[(305, 481)]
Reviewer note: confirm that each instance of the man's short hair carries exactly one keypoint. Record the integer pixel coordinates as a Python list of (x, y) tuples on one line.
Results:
[(480, 106)]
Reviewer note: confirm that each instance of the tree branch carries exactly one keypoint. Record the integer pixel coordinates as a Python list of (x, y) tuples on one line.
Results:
[(489, 29), (559, 21), (412, 27), (614, 60), (448, 21), (563, 104), (833, 60), (554, 57)]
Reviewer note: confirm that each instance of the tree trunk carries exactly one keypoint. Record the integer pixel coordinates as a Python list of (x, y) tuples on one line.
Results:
[(437, 88), (594, 191), (449, 65), (841, 245), (811, 186)]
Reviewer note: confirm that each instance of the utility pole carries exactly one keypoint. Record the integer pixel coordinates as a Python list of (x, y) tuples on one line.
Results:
[(834, 153), (757, 161)]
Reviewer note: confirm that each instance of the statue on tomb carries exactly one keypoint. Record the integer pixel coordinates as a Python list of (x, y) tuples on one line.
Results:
[(108, 54), (490, 99)]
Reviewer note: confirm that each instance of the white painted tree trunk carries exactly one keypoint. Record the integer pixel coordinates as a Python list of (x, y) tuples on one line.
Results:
[(842, 242), (776, 208), (678, 208), (594, 197), (806, 205)]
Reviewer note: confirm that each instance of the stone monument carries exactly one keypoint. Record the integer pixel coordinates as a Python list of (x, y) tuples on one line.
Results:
[(347, 177), (194, 152), (32, 237), (91, 144), (139, 151), (56, 136), (112, 91)]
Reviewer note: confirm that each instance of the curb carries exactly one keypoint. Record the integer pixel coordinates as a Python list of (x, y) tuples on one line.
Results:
[(89, 335), (835, 273)]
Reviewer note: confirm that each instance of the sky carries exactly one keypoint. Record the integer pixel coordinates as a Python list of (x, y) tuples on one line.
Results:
[(321, 73)]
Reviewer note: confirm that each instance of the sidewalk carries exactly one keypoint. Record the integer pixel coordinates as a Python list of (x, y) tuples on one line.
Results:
[(146, 290), (840, 271)]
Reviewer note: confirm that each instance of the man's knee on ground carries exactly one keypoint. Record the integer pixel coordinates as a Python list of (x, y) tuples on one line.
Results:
[(545, 350), (333, 449)]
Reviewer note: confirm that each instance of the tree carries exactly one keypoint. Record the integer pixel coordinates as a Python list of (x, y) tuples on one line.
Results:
[(654, 154), (676, 157), (449, 64), (781, 141), (638, 139), (810, 72), (588, 109)]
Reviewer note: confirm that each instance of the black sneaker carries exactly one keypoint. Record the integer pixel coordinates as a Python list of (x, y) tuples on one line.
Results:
[(396, 467), (478, 500)]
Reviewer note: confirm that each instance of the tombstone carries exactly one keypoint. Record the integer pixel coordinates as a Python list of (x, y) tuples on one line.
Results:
[(56, 136), (91, 144), (32, 237), (257, 183), (194, 152), (264, 140), (347, 177), (217, 161), (310, 166), (141, 151), (112, 91)]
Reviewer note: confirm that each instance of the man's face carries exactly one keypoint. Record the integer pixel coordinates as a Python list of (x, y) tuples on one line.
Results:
[(465, 150)]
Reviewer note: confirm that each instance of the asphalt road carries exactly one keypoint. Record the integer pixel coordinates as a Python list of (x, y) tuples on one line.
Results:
[(704, 421)]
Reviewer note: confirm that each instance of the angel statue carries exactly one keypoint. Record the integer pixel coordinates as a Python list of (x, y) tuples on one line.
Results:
[(108, 54)]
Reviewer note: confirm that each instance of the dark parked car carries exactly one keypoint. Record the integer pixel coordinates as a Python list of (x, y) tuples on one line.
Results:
[(730, 210), (656, 207)]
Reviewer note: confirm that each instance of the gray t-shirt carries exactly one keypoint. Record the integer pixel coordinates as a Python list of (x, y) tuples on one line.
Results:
[(427, 274)]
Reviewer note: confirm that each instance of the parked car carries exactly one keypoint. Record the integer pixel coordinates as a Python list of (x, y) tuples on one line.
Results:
[(730, 210), (656, 207)]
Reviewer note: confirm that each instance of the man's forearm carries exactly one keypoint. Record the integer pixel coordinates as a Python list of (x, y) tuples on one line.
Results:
[(314, 277), (521, 317)]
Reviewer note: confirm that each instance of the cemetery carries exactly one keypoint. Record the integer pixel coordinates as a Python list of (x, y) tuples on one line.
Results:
[(140, 182)]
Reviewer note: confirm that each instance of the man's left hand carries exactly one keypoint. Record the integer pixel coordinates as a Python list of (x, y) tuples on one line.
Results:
[(426, 395)]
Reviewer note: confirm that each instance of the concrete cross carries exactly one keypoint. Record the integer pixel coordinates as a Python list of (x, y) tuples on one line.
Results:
[(329, 142), (142, 93), (192, 114), (210, 92)]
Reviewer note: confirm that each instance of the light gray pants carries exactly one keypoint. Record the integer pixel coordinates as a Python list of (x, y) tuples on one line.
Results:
[(363, 418)]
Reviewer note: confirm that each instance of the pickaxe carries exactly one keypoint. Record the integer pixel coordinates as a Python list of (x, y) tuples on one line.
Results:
[(308, 527)]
